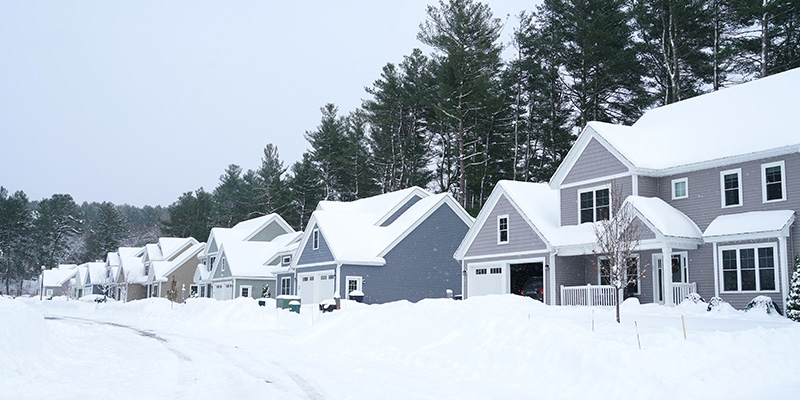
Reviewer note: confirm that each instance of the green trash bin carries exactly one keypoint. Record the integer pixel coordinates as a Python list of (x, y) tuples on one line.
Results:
[(294, 306), (283, 301)]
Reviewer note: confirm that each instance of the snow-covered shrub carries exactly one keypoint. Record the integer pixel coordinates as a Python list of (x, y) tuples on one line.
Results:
[(694, 298), (764, 304), (715, 303), (793, 300)]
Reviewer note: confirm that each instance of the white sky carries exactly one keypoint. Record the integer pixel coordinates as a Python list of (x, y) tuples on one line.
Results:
[(140, 101)]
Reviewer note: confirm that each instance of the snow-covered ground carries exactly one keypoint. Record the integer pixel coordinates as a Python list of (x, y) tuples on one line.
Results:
[(482, 348)]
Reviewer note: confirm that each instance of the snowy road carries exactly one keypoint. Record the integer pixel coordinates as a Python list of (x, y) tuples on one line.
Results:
[(482, 348)]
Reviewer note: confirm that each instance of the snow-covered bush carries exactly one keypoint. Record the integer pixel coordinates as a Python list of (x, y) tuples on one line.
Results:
[(764, 304), (694, 298), (793, 300), (715, 303)]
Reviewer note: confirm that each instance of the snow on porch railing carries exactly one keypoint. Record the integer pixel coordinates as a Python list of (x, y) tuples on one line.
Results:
[(681, 290), (600, 295)]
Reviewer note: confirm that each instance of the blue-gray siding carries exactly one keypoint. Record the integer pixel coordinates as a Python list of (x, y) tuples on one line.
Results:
[(310, 256), (648, 186), (257, 286), (521, 237), (420, 266), (594, 162)]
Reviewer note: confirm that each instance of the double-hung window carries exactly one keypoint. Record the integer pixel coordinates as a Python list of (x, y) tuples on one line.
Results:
[(731, 184), (773, 181), (502, 229), (631, 274), (315, 239), (595, 205), (749, 268), (245, 290)]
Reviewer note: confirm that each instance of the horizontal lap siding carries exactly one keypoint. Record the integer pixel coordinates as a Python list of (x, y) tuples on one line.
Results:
[(705, 203), (420, 266), (570, 271), (594, 162), (257, 286), (648, 186), (311, 256), (521, 237), (569, 197)]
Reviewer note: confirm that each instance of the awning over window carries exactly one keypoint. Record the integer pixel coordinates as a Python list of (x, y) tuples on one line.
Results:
[(750, 226)]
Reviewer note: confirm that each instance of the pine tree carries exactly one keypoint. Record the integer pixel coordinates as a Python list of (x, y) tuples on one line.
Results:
[(768, 41), (357, 175), (58, 221), (328, 143), (230, 204), (793, 300), (467, 62), (272, 194), (17, 258), (106, 232), (306, 190), (190, 216)]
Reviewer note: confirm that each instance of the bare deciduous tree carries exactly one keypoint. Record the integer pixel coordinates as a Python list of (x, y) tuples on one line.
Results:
[(618, 239)]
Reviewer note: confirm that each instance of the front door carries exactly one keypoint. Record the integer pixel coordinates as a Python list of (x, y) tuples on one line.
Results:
[(680, 273)]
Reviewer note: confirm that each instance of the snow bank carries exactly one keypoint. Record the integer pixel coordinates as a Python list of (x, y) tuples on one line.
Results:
[(24, 339)]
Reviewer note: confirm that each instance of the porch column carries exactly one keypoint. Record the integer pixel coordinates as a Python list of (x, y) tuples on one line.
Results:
[(553, 279), (784, 270), (666, 277), (717, 272)]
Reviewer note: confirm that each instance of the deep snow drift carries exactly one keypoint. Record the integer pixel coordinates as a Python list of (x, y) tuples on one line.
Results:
[(482, 348)]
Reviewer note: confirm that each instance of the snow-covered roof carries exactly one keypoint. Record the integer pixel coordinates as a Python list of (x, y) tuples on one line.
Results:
[(161, 269), (244, 230), (58, 276), (695, 133), (131, 264), (249, 258), (663, 218), (749, 225), (112, 259), (171, 246), (353, 230)]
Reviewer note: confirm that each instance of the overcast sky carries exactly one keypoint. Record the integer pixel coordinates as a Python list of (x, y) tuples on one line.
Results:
[(140, 101)]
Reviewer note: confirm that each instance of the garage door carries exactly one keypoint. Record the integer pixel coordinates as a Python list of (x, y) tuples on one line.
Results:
[(223, 291), (487, 279), (313, 287)]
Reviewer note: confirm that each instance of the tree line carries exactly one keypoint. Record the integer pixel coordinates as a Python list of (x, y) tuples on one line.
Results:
[(459, 118)]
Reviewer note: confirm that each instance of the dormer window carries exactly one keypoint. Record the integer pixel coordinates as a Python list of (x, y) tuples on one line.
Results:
[(502, 229), (315, 239), (287, 260), (595, 204)]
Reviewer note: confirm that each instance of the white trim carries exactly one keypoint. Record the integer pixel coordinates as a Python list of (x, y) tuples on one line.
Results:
[(638, 272), (503, 255), (500, 241), (594, 190), (635, 184), (506, 272), (597, 180), (764, 167), (717, 272), (684, 257), (755, 247), (784, 269), (289, 286), (685, 182), (416, 191), (720, 162), (722, 174), (359, 284), (577, 150), (283, 259), (317, 264), (249, 290)]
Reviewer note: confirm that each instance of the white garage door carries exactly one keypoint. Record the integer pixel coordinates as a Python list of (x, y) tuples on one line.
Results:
[(313, 287), (223, 291), (487, 279)]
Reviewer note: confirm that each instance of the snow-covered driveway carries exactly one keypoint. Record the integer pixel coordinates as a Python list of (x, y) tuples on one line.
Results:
[(482, 348)]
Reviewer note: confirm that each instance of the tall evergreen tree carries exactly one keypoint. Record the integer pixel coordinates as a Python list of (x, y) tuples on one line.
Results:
[(769, 39), (306, 190), (676, 44), (599, 60), (357, 175), (231, 203), (190, 216), (273, 193), (464, 35), (793, 300), (17, 261), (58, 222), (106, 232)]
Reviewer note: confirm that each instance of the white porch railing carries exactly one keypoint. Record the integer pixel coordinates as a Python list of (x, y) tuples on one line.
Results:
[(589, 295), (681, 290)]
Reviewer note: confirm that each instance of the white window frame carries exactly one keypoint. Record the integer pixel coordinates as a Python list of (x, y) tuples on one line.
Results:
[(507, 230), (738, 172), (594, 201), (638, 272), (315, 239), (764, 167), (287, 259), (49, 293), (249, 290), (359, 284), (755, 247), (286, 288), (196, 290), (685, 182)]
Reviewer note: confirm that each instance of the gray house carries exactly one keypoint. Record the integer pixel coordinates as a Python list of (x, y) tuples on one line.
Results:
[(395, 246), (714, 183), (56, 281)]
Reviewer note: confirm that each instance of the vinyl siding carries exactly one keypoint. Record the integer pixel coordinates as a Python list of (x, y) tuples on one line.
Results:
[(420, 266), (310, 256), (648, 186), (570, 271), (594, 162), (569, 197), (521, 237), (269, 232), (183, 275), (257, 286)]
